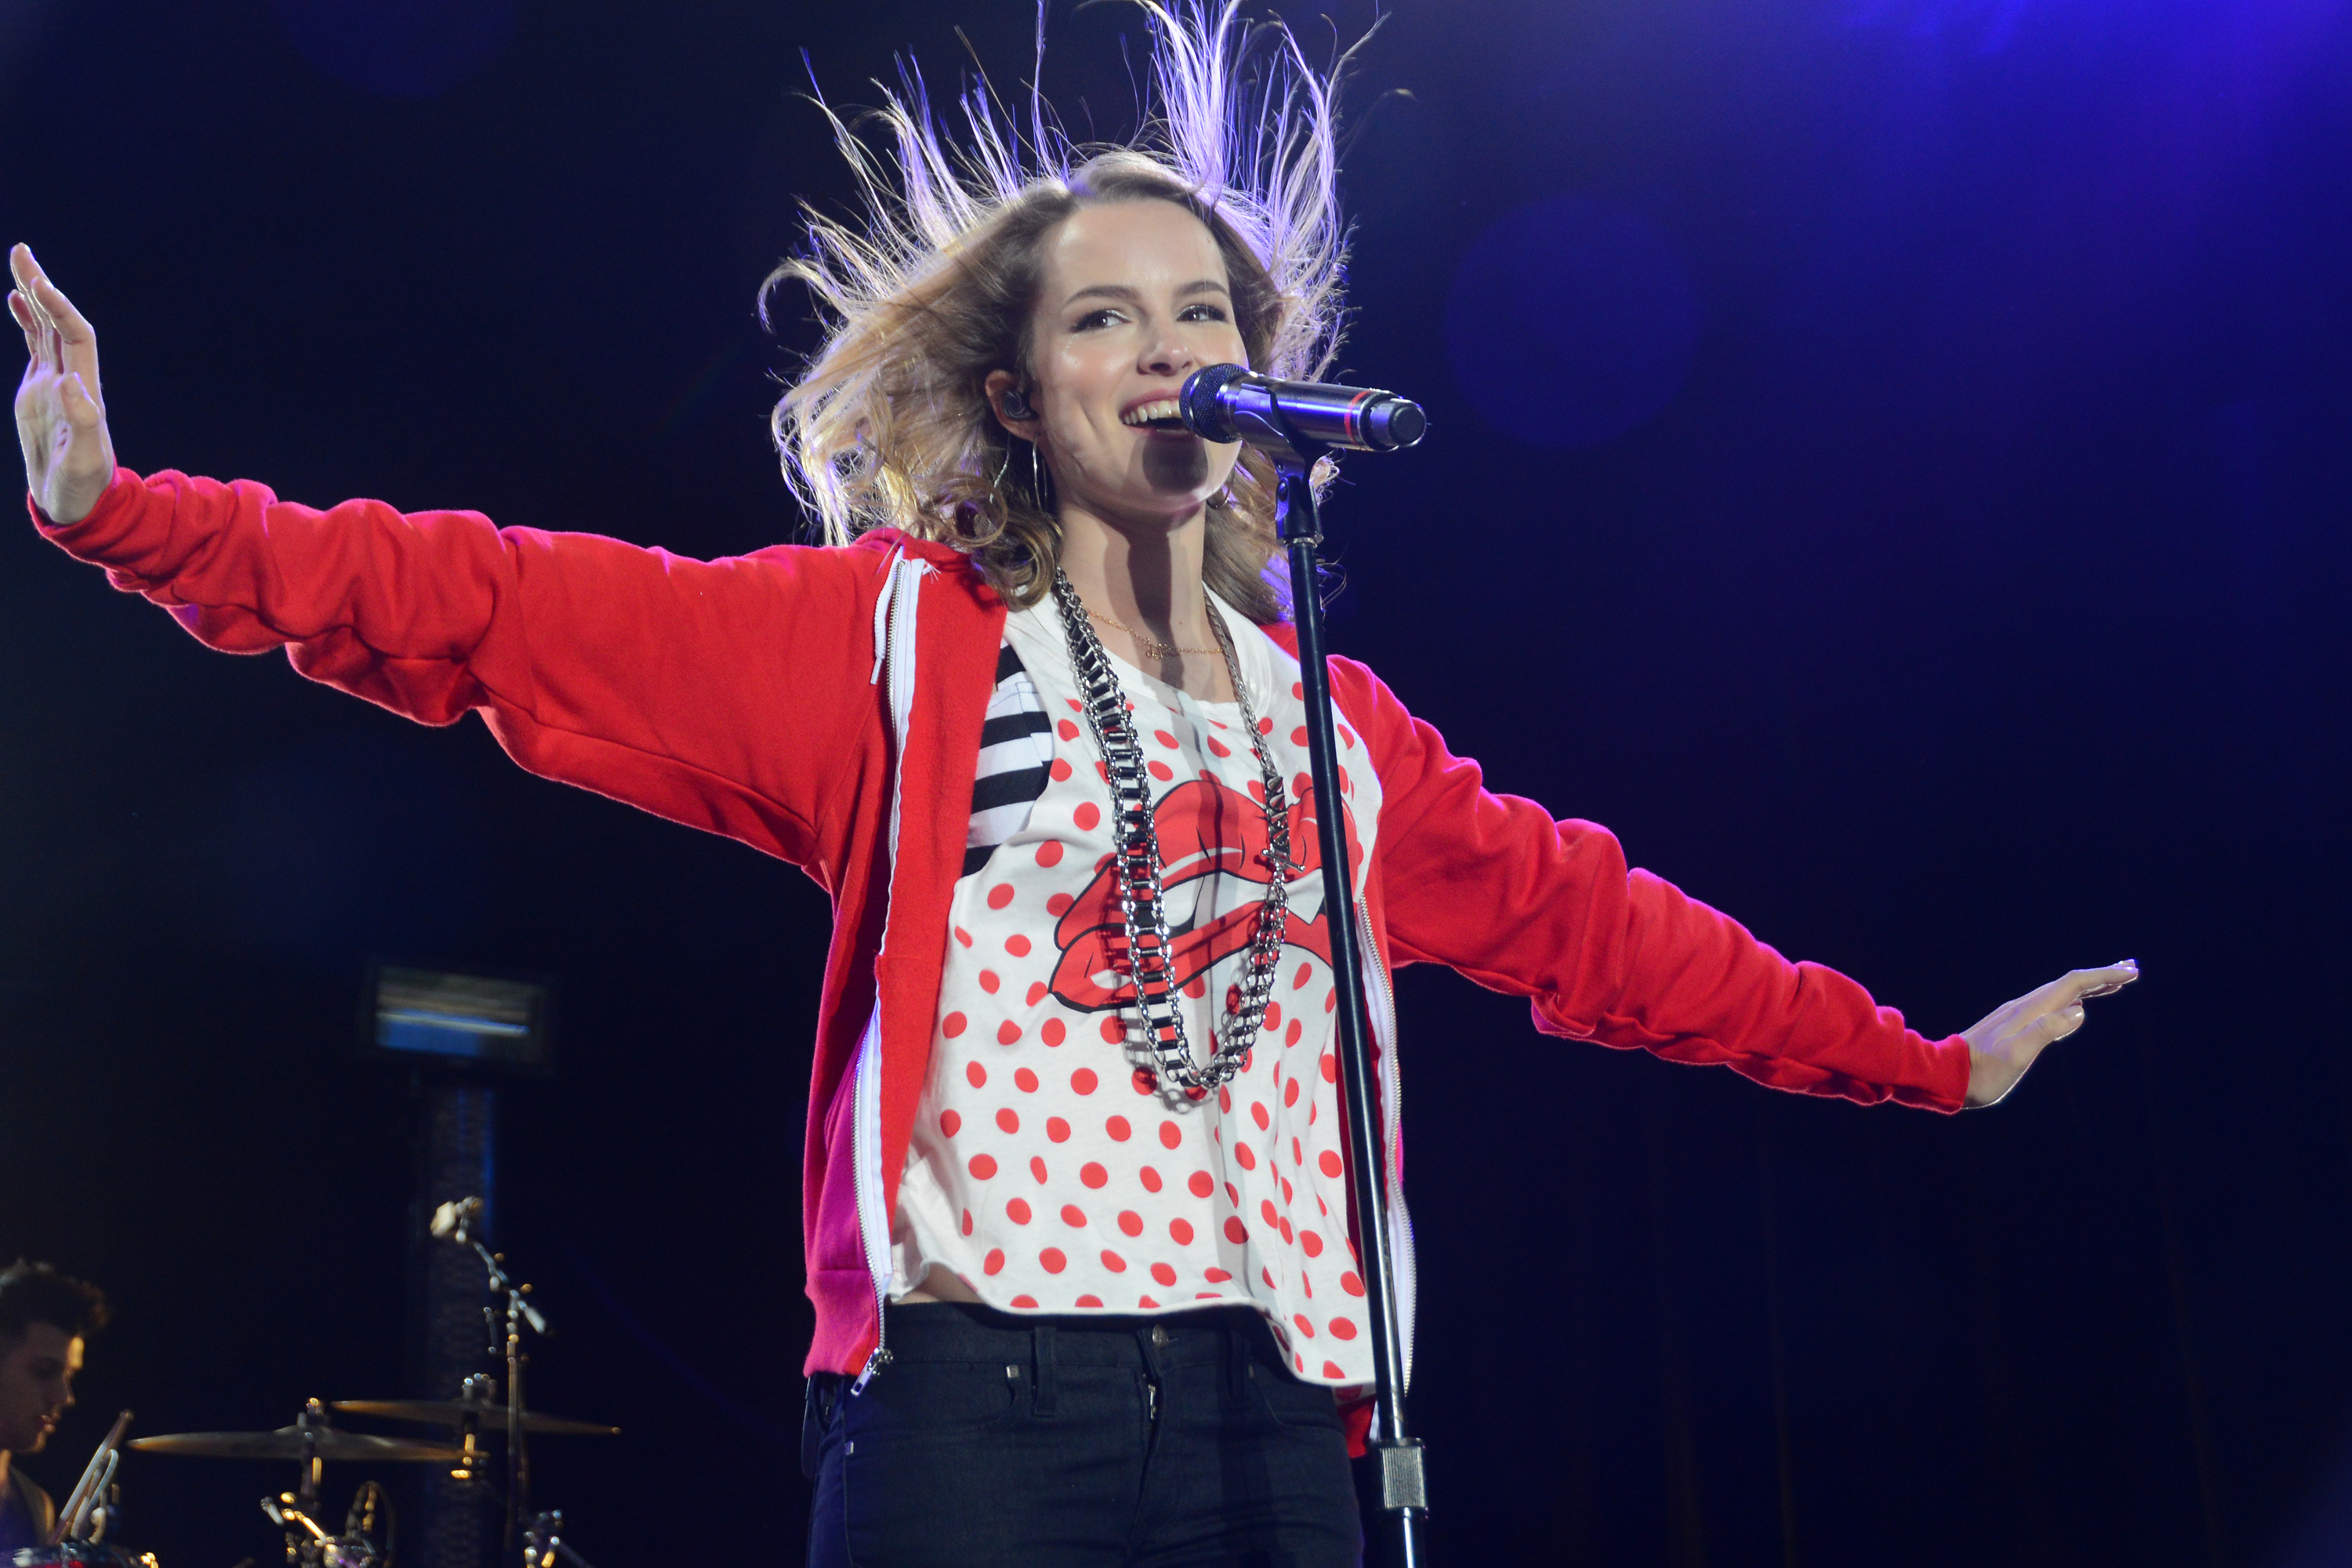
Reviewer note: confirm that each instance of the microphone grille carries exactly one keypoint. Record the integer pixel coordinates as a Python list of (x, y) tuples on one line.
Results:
[(1200, 406)]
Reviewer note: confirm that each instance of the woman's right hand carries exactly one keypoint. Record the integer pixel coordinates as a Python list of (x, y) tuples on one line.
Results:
[(60, 413)]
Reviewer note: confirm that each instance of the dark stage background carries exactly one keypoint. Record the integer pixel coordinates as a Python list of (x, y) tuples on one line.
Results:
[(1934, 557)]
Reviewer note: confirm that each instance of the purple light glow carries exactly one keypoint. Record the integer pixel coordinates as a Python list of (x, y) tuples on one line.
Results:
[(1571, 321), (400, 49)]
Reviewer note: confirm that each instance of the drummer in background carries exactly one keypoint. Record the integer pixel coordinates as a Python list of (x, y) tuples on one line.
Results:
[(44, 1318)]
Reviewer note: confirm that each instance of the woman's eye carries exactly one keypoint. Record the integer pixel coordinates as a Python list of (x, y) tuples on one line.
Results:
[(1202, 313), (1094, 318)]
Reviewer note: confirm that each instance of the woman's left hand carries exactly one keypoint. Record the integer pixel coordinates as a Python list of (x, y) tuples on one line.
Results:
[(2005, 1043)]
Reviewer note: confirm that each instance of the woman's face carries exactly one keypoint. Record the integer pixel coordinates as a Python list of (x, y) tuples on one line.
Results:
[(1135, 299)]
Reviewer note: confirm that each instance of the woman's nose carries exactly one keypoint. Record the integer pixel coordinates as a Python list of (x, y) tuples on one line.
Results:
[(1166, 356)]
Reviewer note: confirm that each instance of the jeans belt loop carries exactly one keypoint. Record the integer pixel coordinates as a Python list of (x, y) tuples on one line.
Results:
[(1047, 1392)]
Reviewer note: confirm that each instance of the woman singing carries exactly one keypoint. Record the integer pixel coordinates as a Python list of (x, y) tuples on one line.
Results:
[(1078, 1300)]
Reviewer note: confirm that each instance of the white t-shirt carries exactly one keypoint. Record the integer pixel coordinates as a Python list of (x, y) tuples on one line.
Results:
[(1049, 1171)]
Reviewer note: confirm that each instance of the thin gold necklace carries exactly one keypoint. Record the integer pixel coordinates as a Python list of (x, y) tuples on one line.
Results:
[(1145, 640)]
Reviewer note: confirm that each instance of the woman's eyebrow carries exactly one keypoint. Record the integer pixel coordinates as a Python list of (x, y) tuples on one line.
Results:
[(1135, 297)]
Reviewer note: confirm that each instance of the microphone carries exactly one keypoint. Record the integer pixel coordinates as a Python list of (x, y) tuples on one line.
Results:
[(457, 1218), (1231, 403)]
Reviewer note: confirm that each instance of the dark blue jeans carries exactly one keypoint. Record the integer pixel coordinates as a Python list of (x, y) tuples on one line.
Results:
[(1095, 1442)]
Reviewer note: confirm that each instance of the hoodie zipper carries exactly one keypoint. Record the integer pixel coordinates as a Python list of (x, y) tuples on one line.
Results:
[(865, 1149), (894, 655)]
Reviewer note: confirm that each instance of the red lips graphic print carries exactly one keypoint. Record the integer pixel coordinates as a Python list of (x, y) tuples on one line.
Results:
[(1209, 836)]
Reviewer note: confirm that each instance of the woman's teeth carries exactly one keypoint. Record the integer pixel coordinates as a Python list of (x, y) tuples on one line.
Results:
[(1162, 413)]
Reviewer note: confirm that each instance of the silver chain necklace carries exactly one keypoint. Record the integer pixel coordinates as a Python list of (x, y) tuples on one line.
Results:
[(1137, 867)]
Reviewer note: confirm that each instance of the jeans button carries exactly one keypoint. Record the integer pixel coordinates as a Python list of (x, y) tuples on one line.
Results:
[(1159, 1335)]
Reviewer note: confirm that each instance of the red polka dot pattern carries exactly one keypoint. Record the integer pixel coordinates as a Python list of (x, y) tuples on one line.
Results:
[(1021, 1067)]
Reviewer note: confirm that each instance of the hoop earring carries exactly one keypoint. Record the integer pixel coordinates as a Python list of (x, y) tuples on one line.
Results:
[(1037, 481)]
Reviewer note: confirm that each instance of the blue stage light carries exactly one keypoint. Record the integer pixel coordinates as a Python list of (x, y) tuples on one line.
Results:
[(401, 48), (1571, 321)]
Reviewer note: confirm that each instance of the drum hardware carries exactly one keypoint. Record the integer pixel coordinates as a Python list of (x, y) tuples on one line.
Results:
[(309, 1544), (544, 1543), (96, 1476), (313, 1441), (74, 1541), (80, 1555)]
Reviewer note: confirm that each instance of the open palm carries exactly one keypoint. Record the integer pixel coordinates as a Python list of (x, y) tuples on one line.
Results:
[(60, 413), (2005, 1041)]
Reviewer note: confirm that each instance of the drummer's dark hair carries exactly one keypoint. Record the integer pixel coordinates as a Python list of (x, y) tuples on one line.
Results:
[(36, 1293)]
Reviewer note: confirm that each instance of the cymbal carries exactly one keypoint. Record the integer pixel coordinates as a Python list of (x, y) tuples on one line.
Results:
[(286, 1443), (487, 1417)]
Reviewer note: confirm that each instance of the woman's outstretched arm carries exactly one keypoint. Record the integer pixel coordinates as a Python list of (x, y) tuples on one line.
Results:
[(1492, 886), (730, 695)]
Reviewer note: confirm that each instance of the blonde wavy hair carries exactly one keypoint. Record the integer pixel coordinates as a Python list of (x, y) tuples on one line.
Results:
[(932, 285)]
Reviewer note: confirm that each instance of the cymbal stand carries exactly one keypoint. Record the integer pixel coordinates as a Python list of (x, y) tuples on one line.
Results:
[(296, 1512), (519, 1312)]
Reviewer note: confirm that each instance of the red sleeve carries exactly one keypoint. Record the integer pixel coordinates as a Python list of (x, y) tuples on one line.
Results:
[(1492, 886), (722, 694)]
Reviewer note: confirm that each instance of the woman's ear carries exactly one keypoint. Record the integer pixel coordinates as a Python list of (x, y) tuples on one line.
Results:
[(1011, 404)]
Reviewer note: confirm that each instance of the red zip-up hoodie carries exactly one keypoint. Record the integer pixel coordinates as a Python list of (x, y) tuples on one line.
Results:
[(825, 706)]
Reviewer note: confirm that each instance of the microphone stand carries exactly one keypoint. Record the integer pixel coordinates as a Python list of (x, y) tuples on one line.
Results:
[(1403, 1492), (519, 1312)]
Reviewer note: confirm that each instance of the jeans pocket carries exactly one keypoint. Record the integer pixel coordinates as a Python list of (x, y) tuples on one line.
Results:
[(1291, 1402), (910, 1400), (918, 1458)]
